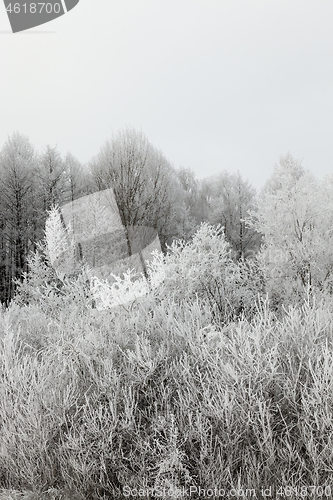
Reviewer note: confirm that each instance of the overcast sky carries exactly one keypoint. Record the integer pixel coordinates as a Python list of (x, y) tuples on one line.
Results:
[(215, 84)]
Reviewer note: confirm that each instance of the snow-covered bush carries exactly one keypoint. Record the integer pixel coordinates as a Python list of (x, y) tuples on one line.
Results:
[(249, 286), (122, 291), (201, 268)]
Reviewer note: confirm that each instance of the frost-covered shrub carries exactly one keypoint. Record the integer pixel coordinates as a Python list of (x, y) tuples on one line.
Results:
[(156, 270), (249, 286), (201, 268), (41, 286), (40, 281), (122, 291)]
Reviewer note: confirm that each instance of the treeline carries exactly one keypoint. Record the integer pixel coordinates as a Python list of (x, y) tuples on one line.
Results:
[(148, 189), (30, 183)]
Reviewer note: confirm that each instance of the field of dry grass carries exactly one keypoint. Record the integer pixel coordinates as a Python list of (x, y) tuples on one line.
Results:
[(162, 397)]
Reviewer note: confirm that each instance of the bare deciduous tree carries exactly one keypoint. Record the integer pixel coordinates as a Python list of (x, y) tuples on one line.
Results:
[(140, 177)]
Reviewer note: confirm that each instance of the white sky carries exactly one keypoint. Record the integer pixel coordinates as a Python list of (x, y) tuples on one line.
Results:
[(216, 84)]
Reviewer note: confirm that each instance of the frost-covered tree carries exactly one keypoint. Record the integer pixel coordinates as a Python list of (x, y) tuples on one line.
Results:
[(76, 178), (139, 175), (53, 274), (295, 215), (226, 199), (182, 223), (51, 177), (17, 210), (59, 244)]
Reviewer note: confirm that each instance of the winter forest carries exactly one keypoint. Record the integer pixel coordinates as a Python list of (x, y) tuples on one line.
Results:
[(147, 189), (210, 372)]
